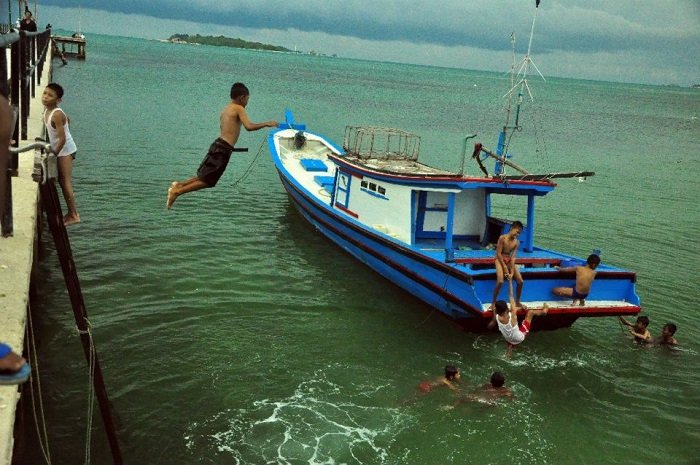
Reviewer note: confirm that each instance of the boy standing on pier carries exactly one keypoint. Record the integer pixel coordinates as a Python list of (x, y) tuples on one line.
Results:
[(63, 146), (216, 160)]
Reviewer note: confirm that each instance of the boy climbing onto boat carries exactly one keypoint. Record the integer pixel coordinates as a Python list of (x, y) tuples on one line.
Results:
[(639, 329), (507, 320), (216, 160), (506, 250), (584, 278)]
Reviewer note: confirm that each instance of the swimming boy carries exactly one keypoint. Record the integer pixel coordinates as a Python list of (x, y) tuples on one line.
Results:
[(452, 376), (63, 146), (584, 278), (666, 338), (496, 388), (216, 160), (506, 250), (639, 329), (507, 320)]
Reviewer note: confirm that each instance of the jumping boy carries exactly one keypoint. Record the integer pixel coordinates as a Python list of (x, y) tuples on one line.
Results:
[(507, 320), (216, 160), (452, 376), (506, 250), (63, 146), (639, 329), (584, 278), (666, 338)]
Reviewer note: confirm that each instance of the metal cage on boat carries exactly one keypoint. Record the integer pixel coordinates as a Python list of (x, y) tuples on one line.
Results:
[(370, 142)]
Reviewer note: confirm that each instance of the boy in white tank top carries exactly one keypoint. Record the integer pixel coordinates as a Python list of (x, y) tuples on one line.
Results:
[(61, 140)]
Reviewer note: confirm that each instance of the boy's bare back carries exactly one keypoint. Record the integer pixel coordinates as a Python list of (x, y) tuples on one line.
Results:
[(584, 278)]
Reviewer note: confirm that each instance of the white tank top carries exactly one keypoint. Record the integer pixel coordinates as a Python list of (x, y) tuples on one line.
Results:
[(511, 333), (69, 147)]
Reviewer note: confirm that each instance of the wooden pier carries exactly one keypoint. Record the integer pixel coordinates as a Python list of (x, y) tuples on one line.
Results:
[(69, 46)]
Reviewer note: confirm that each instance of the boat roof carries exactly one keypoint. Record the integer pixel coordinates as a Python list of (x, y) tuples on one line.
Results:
[(412, 172)]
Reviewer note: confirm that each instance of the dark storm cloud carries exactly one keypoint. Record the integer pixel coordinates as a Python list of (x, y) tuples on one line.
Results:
[(567, 25)]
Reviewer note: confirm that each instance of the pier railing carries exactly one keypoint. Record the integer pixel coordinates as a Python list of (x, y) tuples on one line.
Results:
[(18, 81)]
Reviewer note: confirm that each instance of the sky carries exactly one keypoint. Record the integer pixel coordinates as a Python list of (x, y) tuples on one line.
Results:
[(636, 41)]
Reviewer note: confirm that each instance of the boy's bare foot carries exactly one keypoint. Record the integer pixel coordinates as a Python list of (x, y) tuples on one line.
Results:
[(11, 362), (172, 195), (545, 309), (71, 219), (520, 306)]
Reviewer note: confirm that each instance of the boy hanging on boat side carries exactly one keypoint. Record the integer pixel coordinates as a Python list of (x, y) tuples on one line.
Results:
[(507, 320), (584, 278), (216, 160), (638, 329)]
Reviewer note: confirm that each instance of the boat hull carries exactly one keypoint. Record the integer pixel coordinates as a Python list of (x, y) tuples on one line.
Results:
[(459, 290)]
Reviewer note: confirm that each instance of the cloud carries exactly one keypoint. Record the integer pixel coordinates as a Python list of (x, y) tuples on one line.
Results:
[(659, 35)]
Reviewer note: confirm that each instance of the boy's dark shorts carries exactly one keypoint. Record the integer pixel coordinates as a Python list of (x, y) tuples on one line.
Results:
[(215, 162)]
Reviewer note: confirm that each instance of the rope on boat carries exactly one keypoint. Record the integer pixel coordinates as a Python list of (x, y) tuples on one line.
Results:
[(249, 169), (35, 380)]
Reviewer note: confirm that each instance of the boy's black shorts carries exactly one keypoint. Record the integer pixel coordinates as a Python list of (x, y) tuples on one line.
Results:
[(215, 162)]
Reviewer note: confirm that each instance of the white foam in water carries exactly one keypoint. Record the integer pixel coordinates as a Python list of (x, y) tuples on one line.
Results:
[(317, 424)]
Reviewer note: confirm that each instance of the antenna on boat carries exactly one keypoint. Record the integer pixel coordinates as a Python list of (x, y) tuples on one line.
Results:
[(522, 86)]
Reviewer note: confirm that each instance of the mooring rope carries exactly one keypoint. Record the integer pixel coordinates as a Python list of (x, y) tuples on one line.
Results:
[(249, 169), (36, 379)]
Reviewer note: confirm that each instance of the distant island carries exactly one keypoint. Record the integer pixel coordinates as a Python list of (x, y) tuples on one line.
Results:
[(222, 41)]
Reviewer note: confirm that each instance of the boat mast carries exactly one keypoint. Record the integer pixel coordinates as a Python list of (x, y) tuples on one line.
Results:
[(522, 86)]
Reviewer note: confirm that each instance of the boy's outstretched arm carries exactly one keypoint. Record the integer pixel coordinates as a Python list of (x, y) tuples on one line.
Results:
[(624, 322), (511, 299)]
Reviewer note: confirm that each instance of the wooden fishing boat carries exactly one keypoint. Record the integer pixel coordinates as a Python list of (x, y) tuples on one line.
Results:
[(432, 232)]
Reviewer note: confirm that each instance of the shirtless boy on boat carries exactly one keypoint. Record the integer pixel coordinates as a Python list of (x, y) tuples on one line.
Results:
[(216, 160), (506, 250), (584, 278)]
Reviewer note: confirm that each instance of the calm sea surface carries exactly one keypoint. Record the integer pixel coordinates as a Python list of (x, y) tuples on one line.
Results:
[(230, 332)]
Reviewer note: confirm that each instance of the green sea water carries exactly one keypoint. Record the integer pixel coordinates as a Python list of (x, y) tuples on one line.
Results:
[(231, 332)]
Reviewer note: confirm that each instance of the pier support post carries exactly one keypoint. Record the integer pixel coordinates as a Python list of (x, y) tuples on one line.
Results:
[(54, 215)]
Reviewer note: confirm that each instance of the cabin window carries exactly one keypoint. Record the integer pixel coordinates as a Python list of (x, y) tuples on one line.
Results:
[(373, 189)]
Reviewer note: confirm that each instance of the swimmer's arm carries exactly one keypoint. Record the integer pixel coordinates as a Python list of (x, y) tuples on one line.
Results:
[(249, 125), (624, 322)]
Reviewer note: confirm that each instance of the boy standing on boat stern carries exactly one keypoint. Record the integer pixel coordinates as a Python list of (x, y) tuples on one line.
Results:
[(63, 146), (584, 278), (507, 320), (216, 160), (506, 250)]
